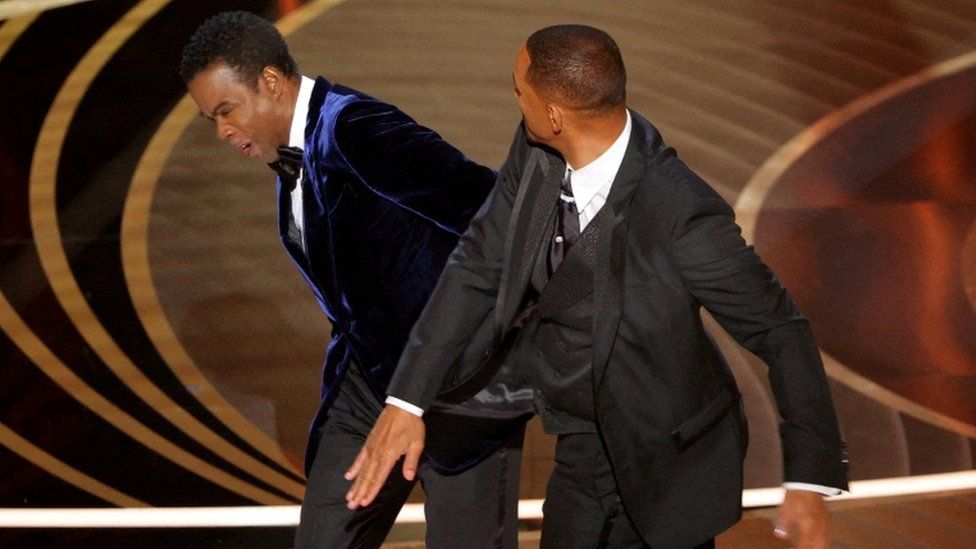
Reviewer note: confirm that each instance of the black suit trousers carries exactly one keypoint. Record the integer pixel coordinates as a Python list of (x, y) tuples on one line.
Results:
[(583, 508), (477, 508)]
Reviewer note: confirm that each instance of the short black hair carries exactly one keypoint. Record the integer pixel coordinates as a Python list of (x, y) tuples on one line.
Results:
[(578, 64), (244, 41)]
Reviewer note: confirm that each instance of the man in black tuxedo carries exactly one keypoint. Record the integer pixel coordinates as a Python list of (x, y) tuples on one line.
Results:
[(370, 206), (602, 247)]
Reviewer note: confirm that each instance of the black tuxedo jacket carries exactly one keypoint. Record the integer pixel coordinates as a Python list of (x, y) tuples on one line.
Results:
[(666, 402)]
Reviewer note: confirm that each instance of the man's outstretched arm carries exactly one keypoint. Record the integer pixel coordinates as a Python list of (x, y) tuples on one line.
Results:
[(727, 277)]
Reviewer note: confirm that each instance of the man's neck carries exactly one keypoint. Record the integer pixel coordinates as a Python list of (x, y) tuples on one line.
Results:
[(592, 137)]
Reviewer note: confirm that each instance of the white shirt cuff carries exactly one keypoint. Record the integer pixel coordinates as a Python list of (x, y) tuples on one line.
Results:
[(415, 410), (825, 490)]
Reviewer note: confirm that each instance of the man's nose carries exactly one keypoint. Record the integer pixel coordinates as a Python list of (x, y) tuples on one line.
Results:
[(224, 131)]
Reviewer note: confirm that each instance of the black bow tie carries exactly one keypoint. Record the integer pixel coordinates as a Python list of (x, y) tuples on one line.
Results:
[(288, 166)]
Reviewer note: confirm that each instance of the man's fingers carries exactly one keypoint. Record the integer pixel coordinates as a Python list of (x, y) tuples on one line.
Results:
[(371, 474), (372, 489), (411, 461), (359, 489), (356, 465), (370, 481), (364, 475), (363, 480), (780, 529), (803, 519)]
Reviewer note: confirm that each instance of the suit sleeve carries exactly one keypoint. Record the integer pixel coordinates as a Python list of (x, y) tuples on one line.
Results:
[(464, 296), (730, 280), (411, 164)]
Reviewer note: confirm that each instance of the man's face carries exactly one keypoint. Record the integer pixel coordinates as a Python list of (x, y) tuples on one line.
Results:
[(535, 111), (248, 118)]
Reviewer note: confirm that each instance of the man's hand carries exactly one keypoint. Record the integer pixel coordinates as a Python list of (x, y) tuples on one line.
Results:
[(396, 433), (803, 519)]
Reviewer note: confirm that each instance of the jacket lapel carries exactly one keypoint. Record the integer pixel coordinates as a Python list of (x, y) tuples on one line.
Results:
[(611, 252), (307, 256), (573, 279), (319, 91), (530, 217)]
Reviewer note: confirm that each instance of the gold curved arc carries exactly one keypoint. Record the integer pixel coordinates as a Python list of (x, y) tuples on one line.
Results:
[(39, 458), (12, 29), (47, 238), (12, 9), (20, 333), (138, 275), (754, 194)]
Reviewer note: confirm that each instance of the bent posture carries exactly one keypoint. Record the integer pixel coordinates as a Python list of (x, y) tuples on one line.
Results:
[(370, 205)]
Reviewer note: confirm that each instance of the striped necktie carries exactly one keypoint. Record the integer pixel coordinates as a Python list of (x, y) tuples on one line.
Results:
[(567, 228)]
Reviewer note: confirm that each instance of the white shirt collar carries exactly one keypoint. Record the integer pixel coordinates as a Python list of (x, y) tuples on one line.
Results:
[(296, 136), (599, 174)]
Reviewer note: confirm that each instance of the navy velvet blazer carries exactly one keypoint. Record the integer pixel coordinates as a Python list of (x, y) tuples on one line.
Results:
[(385, 200)]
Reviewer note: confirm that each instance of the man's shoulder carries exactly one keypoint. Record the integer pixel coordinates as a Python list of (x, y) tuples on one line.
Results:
[(345, 115), (341, 102), (667, 180)]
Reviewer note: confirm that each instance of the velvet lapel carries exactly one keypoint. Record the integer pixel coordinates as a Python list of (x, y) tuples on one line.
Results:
[(612, 251), (285, 218), (318, 230), (530, 217), (319, 91)]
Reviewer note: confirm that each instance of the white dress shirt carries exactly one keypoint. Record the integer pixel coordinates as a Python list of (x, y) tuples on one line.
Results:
[(591, 183), (296, 138)]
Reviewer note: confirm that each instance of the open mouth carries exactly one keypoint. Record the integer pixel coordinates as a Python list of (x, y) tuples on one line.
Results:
[(246, 148)]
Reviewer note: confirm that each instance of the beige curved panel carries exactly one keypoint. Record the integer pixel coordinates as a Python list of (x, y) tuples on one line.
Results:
[(43, 216), (753, 196), (135, 261), (22, 447)]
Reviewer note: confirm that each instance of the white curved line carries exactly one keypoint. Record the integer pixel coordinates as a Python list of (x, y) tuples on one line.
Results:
[(287, 515)]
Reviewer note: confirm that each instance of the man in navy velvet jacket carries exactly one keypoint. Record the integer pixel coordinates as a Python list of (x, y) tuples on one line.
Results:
[(371, 205)]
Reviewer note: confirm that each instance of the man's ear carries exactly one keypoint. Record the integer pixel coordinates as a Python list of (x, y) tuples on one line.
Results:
[(272, 81), (556, 118)]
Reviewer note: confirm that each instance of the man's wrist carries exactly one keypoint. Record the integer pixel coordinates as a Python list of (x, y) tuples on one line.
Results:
[(406, 406)]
